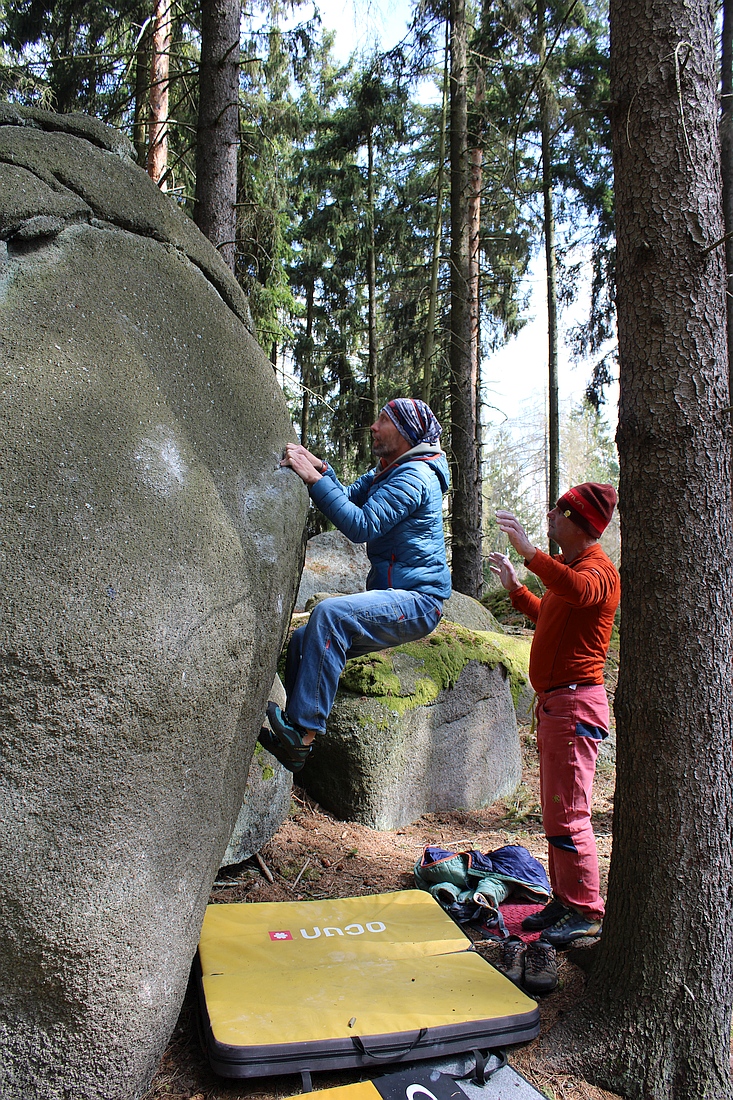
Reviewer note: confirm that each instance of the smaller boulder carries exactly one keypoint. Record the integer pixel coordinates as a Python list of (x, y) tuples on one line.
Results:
[(422, 727), (468, 612), (266, 799), (333, 564)]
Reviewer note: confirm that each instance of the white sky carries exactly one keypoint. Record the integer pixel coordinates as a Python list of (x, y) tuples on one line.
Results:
[(516, 375), (363, 24)]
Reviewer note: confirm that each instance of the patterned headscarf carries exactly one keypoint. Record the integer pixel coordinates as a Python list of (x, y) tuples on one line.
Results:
[(414, 420)]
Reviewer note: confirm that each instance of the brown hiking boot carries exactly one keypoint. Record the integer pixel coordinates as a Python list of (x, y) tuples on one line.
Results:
[(540, 968), (512, 959)]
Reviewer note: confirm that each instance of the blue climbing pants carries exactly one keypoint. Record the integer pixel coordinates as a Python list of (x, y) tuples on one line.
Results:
[(349, 626)]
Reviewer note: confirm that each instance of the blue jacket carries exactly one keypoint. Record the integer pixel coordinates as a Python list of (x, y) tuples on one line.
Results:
[(398, 513)]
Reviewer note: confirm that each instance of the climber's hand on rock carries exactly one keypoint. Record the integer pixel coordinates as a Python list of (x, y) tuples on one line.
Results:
[(305, 464)]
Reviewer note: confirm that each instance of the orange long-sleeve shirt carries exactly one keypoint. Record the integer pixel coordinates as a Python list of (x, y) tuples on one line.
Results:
[(574, 617)]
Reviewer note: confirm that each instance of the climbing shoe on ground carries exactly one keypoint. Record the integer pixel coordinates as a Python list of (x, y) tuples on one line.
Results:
[(540, 968), (552, 913), (570, 928), (511, 961), (284, 740)]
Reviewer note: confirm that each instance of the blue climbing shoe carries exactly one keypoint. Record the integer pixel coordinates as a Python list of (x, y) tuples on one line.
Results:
[(284, 740), (571, 928), (551, 914)]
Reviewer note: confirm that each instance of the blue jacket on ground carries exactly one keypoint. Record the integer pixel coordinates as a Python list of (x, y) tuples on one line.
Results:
[(398, 513)]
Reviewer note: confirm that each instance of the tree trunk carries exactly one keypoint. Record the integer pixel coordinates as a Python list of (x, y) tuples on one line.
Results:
[(429, 345), (474, 219), (466, 506), (545, 97), (726, 162), (217, 133), (159, 73), (142, 94), (372, 285), (306, 369), (655, 1022)]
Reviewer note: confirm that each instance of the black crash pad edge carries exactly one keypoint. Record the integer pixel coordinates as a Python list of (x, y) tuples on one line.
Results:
[(327, 1054)]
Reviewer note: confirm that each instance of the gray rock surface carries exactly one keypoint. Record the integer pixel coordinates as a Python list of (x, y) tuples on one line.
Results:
[(385, 769), (468, 612), (266, 798), (332, 565), (607, 751), (150, 556)]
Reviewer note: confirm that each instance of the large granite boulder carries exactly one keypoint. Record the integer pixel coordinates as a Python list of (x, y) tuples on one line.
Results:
[(422, 727), (151, 550)]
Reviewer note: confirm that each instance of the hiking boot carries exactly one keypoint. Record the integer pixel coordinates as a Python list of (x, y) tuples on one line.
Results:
[(540, 968), (511, 962), (284, 740), (573, 926), (551, 914)]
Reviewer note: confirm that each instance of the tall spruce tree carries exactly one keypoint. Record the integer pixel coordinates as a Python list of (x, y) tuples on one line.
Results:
[(656, 1020), (466, 563), (217, 130)]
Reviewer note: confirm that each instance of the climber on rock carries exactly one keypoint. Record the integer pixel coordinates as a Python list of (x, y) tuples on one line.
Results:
[(397, 510)]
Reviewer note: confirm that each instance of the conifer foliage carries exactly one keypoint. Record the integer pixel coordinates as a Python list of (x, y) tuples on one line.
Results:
[(381, 249)]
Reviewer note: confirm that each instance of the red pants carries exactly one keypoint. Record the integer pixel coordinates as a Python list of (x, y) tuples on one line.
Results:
[(570, 726)]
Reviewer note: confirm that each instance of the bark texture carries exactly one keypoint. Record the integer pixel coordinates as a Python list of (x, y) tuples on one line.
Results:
[(218, 126), (373, 368), (159, 89), (429, 346), (553, 387), (726, 164), (656, 1019), (466, 515)]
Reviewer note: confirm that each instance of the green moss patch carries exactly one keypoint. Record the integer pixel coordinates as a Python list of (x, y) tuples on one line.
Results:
[(440, 659), (267, 770)]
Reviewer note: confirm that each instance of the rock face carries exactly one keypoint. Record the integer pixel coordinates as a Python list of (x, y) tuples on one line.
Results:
[(150, 555), (468, 612), (266, 798), (423, 727), (333, 565)]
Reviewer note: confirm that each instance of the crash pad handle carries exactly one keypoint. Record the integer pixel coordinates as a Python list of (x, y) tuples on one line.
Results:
[(480, 1074), (389, 1054)]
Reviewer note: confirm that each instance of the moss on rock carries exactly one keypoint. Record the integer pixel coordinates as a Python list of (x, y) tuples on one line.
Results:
[(414, 674), (263, 758)]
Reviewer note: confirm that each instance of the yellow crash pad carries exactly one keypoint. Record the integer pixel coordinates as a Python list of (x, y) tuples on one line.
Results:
[(353, 981)]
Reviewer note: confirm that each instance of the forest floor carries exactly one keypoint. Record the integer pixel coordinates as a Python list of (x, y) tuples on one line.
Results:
[(313, 855)]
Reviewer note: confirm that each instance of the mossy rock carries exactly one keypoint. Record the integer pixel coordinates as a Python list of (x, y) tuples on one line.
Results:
[(434, 664), (423, 727)]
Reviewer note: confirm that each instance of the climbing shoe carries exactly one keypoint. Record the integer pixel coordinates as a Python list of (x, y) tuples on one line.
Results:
[(551, 914), (284, 740), (573, 926), (511, 962), (540, 968)]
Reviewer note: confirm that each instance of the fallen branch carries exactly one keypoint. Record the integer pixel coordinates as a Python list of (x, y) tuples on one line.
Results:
[(301, 872), (264, 868)]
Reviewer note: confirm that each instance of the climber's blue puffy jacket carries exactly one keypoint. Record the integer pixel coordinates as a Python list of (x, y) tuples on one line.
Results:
[(398, 513)]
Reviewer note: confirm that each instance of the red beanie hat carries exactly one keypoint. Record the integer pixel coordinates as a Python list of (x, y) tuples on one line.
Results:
[(590, 506)]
